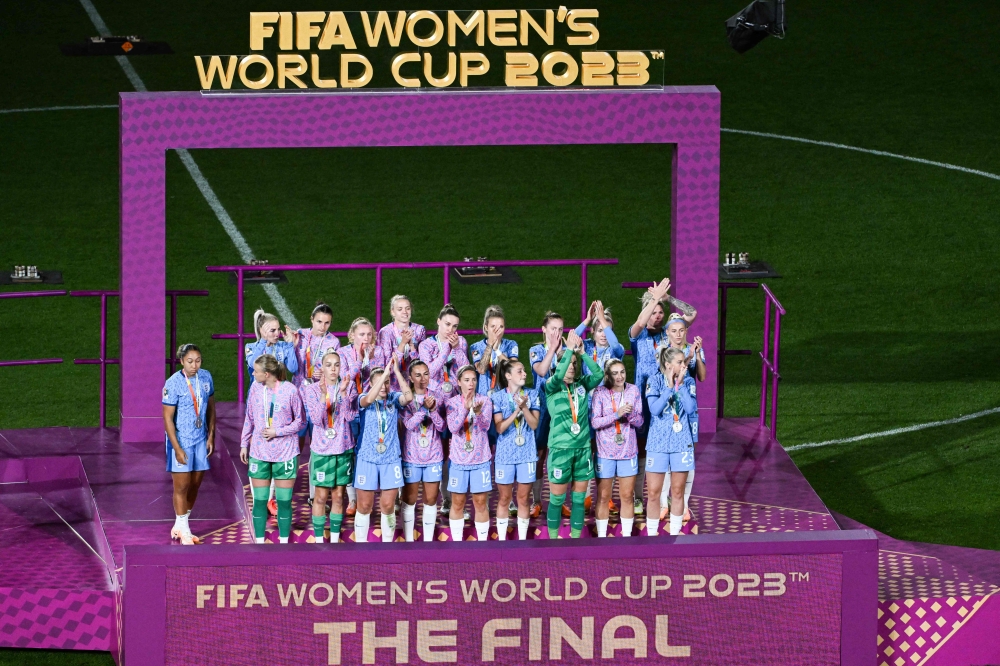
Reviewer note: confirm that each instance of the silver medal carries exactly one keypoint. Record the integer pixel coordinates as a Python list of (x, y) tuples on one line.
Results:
[(677, 426), (198, 423), (575, 428), (619, 438), (447, 387), (330, 433), (469, 446), (424, 442), (380, 447), (519, 440)]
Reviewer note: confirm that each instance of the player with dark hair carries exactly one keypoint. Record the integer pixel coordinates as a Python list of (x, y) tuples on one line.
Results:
[(423, 454), (515, 417), (543, 362), (469, 418)]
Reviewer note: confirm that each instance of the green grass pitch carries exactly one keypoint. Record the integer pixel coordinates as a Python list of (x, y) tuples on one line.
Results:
[(889, 266)]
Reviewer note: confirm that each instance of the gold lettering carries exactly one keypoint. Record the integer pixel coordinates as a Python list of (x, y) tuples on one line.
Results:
[(495, 28), (535, 639), (426, 640), (375, 593), (474, 21), (343, 590), (604, 587), (610, 643), (491, 641), (576, 26), (257, 597), (633, 68), (559, 631), (291, 66), (398, 61), (393, 34), (400, 643), (236, 595), (548, 596), (336, 32), (431, 39), (570, 582), (547, 35), (334, 630), (285, 31), (306, 28), (465, 70), (448, 79), (345, 63), (220, 597), (318, 81), (203, 593), (596, 69), (327, 596), (553, 58), (215, 67), (663, 646), (521, 68), (259, 28)]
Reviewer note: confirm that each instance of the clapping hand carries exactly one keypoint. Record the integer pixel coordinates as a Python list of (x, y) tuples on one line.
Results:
[(291, 336), (659, 289), (574, 342), (429, 401), (624, 409), (696, 345)]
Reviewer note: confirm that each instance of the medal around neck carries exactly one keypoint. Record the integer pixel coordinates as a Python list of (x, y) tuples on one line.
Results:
[(446, 387), (677, 426), (619, 438), (330, 433), (575, 428), (380, 447)]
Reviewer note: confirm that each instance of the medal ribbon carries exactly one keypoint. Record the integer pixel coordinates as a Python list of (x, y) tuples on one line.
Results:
[(519, 421), (330, 413), (572, 402), (618, 423), (383, 423), (468, 424), (357, 379), (194, 396), (309, 365), (270, 411), (677, 406), (421, 408)]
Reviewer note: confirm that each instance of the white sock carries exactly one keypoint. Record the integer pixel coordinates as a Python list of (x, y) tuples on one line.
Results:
[(482, 531), (352, 495), (409, 517), (334, 537), (501, 528), (429, 519), (522, 527), (388, 527), (188, 514), (652, 526), (687, 488), (177, 522), (282, 539), (602, 527), (259, 540), (184, 527), (676, 522), (627, 526), (312, 490), (457, 527), (361, 523)]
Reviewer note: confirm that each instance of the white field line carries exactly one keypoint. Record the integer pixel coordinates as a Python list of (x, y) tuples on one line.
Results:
[(881, 153), (246, 254), (895, 431), (61, 108)]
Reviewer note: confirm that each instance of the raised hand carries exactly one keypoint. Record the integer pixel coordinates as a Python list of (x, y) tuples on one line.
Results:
[(477, 406), (404, 339), (696, 345), (659, 289), (573, 341), (291, 336), (345, 383)]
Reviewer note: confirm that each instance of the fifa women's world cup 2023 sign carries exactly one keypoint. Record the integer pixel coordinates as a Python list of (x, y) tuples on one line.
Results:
[(428, 49)]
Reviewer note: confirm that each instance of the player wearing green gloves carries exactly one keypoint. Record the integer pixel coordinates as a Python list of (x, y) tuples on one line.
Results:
[(570, 459)]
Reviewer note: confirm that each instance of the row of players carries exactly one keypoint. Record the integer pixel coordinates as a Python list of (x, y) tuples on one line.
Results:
[(381, 417)]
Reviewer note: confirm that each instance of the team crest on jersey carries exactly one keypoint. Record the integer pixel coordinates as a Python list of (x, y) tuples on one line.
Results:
[(253, 467), (166, 393), (557, 473), (534, 356), (580, 391), (361, 479)]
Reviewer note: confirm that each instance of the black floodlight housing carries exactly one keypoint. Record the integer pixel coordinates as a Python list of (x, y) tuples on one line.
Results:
[(755, 22)]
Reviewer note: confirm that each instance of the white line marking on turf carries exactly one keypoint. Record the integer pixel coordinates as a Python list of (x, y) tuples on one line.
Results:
[(882, 153), (239, 241), (895, 431), (61, 108)]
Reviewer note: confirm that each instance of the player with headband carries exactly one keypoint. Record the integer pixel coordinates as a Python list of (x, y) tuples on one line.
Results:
[(515, 416), (670, 446), (269, 341), (269, 444), (570, 460), (331, 404), (379, 455), (543, 364), (469, 418), (616, 411), (487, 353), (423, 454), (604, 345), (401, 337), (189, 421)]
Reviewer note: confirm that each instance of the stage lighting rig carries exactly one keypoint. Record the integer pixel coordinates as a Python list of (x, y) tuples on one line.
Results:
[(754, 22)]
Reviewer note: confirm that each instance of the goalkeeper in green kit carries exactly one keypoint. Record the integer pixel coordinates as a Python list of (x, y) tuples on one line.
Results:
[(570, 459)]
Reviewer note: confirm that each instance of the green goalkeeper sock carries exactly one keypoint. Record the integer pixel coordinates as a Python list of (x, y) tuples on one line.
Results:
[(336, 520), (554, 514), (284, 497), (319, 526), (576, 515), (260, 497)]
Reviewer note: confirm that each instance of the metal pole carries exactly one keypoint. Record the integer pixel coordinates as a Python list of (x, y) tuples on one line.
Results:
[(173, 332), (764, 361), (721, 383), (240, 360), (583, 291), (104, 359), (774, 375), (447, 284), (378, 299)]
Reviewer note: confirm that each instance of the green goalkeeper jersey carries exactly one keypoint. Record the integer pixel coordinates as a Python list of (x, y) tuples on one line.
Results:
[(563, 400)]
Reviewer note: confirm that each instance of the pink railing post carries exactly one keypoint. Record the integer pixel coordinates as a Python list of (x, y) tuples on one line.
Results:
[(583, 291), (240, 360), (774, 374), (31, 294), (103, 360), (378, 299), (763, 368), (769, 360), (447, 284), (174, 294)]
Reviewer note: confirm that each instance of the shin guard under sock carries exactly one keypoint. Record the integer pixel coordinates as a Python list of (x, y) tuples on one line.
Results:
[(409, 518), (554, 514), (388, 527), (577, 513), (429, 519), (284, 498), (362, 521)]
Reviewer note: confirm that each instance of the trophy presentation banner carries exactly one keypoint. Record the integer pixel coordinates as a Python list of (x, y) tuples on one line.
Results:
[(723, 600)]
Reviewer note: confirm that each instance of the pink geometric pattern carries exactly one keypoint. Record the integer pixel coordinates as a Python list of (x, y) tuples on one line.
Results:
[(152, 123), (911, 631), (60, 619)]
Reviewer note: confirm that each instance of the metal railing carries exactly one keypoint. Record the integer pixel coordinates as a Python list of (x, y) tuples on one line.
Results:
[(31, 294), (769, 355), (444, 266)]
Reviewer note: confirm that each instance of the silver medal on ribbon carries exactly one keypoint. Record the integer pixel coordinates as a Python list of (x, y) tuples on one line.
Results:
[(677, 426), (519, 440), (380, 447), (575, 428), (469, 446), (330, 433), (447, 387), (424, 442), (619, 438)]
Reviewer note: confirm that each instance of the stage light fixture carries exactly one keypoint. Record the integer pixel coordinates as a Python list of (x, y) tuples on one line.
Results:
[(754, 22)]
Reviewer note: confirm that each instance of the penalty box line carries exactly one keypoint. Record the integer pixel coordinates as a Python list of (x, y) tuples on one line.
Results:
[(246, 253)]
